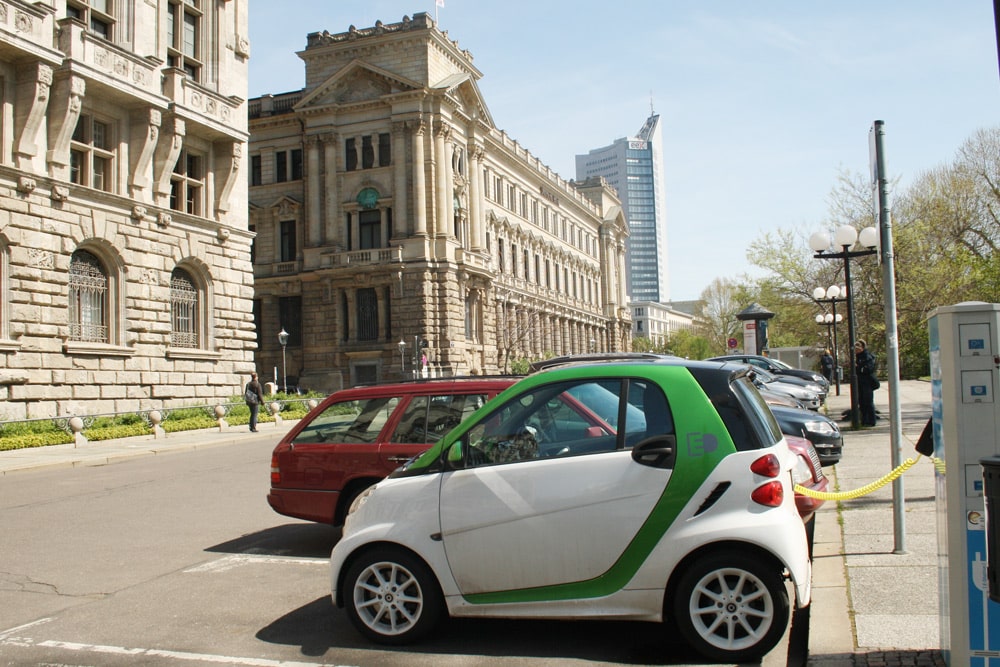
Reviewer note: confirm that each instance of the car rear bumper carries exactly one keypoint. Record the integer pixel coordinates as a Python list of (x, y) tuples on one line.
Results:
[(303, 504)]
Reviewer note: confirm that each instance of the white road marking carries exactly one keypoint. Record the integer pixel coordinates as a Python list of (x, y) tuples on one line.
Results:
[(159, 653), (9, 631), (237, 560)]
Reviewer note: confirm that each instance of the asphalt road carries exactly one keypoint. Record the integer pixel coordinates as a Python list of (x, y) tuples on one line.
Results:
[(177, 560)]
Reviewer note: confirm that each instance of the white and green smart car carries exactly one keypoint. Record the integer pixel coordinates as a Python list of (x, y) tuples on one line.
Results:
[(652, 489)]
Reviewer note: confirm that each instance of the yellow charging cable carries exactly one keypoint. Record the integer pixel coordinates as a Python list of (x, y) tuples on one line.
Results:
[(868, 488)]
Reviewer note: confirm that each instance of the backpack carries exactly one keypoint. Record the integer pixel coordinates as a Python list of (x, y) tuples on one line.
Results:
[(250, 396)]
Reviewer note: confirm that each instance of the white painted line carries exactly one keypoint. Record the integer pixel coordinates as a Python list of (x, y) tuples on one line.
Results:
[(237, 560), (178, 655), (6, 633)]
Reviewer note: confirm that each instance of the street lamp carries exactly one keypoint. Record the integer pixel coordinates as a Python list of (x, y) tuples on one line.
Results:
[(402, 357), (845, 237), (283, 340), (831, 295)]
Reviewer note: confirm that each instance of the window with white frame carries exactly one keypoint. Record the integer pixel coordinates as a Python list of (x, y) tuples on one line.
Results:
[(97, 15), (91, 154), (187, 183), (185, 304), (88, 298), (184, 18)]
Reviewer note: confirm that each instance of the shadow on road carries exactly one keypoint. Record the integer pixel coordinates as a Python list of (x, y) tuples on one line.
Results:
[(319, 627), (305, 540)]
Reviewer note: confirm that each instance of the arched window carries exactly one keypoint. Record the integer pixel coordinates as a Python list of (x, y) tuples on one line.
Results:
[(184, 310), (88, 298)]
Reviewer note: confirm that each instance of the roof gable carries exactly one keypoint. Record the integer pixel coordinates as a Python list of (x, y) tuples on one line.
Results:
[(358, 81)]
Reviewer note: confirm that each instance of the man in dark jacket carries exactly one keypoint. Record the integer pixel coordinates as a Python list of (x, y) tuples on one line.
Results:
[(864, 367), (254, 396)]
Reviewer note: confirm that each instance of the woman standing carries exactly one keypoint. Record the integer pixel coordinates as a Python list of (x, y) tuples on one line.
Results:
[(864, 367)]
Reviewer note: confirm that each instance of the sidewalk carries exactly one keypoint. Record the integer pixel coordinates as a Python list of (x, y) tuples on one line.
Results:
[(872, 606)]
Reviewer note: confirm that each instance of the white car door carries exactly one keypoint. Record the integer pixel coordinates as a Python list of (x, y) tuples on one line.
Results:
[(557, 511)]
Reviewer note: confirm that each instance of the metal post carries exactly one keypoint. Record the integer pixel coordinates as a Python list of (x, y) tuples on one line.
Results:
[(891, 338), (836, 357)]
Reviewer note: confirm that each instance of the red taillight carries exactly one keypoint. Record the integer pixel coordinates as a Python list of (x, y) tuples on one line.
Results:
[(275, 470), (769, 495), (767, 466)]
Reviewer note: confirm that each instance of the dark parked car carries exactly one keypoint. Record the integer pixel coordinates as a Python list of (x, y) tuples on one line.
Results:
[(778, 367)]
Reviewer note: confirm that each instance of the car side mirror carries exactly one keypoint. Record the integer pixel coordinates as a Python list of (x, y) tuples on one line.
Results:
[(455, 454)]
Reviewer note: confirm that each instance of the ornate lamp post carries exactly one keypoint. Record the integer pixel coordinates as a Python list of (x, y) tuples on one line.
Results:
[(845, 237), (831, 295), (283, 340)]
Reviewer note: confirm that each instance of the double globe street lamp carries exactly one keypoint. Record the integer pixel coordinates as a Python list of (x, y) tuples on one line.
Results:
[(845, 238), (832, 295)]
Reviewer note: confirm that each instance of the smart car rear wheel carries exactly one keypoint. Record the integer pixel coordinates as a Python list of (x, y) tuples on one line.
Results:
[(731, 608), (391, 596)]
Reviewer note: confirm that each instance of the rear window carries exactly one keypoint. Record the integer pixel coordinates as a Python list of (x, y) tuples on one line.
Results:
[(358, 421), (759, 415)]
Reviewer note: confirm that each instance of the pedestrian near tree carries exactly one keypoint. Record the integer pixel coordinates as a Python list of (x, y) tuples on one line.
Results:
[(864, 368), (826, 365), (254, 396)]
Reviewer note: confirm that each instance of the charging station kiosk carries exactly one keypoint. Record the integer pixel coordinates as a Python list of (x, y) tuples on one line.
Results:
[(964, 341)]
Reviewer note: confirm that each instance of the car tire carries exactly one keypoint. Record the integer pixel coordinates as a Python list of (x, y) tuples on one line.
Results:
[(391, 596), (731, 608)]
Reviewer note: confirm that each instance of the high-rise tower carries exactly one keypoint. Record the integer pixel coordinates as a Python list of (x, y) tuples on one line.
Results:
[(634, 167)]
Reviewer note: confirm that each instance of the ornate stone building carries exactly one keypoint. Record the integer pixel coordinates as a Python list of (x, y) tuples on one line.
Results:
[(125, 280), (389, 210)]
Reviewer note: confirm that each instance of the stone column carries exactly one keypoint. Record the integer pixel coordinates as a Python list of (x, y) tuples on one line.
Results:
[(314, 192), (419, 181), (475, 197), (331, 226), (399, 198), (442, 193)]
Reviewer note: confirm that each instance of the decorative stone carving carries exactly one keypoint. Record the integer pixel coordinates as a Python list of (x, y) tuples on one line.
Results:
[(26, 184), (138, 213), (41, 259), (164, 219), (60, 193), (223, 234)]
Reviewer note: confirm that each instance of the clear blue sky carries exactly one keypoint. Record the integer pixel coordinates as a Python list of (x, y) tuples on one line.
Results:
[(763, 103)]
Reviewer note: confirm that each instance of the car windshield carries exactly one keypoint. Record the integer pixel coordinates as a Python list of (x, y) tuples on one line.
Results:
[(781, 364)]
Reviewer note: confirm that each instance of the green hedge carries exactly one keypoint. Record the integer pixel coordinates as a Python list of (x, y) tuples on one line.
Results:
[(23, 435)]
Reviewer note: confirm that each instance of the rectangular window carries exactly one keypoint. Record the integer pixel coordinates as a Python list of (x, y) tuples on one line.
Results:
[(183, 37), (92, 157), (288, 241), (384, 150), (255, 170), (351, 154), (290, 319), (187, 184), (280, 167), (296, 164), (256, 320), (370, 229), (367, 314), (97, 15), (367, 152)]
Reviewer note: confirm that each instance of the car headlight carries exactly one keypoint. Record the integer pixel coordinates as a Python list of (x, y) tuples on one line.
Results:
[(826, 428), (361, 499)]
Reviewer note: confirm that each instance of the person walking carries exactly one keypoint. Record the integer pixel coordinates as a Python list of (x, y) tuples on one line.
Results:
[(254, 396), (864, 367), (826, 365)]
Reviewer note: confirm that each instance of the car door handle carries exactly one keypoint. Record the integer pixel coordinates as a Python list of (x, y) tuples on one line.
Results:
[(400, 459), (658, 451)]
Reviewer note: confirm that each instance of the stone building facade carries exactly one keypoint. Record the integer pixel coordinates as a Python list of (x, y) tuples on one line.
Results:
[(125, 275), (399, 231)]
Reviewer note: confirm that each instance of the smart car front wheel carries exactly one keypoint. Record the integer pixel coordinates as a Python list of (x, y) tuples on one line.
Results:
[(392, 596), (731, 608)]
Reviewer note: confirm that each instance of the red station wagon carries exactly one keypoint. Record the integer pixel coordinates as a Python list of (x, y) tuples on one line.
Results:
[(356, 437)]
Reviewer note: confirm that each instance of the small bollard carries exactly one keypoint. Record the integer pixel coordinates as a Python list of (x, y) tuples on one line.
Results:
[(276, 412), (155, 418), (220, 413), (78, 437)]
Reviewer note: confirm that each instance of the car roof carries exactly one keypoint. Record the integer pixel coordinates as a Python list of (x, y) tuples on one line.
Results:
[(428, 385), (620, 358)]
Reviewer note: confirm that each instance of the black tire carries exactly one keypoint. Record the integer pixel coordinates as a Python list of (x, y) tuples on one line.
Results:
[(391, 596), (731, 607)]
